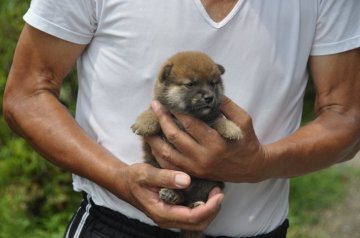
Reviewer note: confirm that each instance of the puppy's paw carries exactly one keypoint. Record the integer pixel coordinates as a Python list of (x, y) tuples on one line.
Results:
[(171, 196), (228, 129), (232, 131), (146, 124), (148, 128), (196, 204)]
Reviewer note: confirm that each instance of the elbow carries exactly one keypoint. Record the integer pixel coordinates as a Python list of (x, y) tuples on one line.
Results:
[(354, 134), (11, 108), (8, 106)]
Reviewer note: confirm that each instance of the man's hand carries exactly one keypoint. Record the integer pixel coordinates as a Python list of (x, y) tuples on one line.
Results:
[(141, 184), (32, 108), (202, 152), (331, 138)]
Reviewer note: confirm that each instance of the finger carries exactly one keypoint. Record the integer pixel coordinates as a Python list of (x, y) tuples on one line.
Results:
[(199, 130), (215, 206), (234, 112), (192, 219), (177, 137), (165, 162), (214, 191), (166, 155), (165, 178), (204, 214)]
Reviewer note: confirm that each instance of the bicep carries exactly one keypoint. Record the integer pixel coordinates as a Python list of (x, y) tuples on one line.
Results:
[(337, 82)]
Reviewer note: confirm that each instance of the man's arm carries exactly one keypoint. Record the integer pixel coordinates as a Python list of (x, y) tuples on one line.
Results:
[(32, 109), (334, 135)]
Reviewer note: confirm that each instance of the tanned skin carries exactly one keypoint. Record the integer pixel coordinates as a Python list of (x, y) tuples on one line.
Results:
[(333, 137), (32, 109), (189, 83)]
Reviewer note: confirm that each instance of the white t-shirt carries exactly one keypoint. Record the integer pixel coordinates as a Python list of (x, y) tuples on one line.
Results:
[(263, 45)]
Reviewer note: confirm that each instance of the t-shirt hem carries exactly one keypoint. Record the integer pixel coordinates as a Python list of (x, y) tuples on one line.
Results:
[(336, 47), (55, 30)]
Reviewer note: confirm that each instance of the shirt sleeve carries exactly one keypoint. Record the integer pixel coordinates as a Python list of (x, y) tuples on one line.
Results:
[(338, 27), (70, 20)]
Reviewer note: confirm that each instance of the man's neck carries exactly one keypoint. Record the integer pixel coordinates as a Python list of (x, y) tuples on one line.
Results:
[(218, 9)]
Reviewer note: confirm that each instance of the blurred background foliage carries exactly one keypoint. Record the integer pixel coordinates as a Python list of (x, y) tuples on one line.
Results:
[(36, 197)]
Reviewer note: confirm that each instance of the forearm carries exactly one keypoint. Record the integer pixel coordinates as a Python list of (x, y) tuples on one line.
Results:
[(332, 138), (33, 110), (52, 131)]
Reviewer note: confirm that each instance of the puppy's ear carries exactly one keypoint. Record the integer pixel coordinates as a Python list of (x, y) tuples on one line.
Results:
[(221, 68), (166, 71)]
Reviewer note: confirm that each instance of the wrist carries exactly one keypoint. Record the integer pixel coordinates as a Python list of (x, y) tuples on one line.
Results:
[(267, 166), (115, 178), (273, 166), (286, 159)]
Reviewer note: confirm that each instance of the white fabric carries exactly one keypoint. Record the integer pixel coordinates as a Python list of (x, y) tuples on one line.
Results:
[(263, 45)]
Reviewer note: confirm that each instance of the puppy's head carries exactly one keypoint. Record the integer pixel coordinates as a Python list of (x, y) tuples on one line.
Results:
[(190, 83)]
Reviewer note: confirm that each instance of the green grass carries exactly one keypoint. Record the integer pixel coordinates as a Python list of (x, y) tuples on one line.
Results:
[(36, 198), (310, 195)]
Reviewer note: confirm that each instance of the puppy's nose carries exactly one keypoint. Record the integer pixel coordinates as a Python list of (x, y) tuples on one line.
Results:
[(208, 99)]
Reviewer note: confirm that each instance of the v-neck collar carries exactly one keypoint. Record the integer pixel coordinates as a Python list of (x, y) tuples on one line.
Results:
[(224, 21)]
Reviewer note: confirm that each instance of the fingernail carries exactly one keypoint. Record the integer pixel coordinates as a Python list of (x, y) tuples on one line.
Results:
[(182, 180), (220, 200)]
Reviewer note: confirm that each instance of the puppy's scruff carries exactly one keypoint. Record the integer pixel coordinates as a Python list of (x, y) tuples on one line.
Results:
[(189, 83)]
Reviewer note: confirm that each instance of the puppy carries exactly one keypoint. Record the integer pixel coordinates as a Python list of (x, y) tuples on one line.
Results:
[(189, 83)]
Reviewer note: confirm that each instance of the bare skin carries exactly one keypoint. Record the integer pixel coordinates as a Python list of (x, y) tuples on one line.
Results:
[(218, 10), (333, 137), (32, 109)]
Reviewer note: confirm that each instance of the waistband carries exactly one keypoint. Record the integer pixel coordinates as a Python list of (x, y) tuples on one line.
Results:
[(119, 221)]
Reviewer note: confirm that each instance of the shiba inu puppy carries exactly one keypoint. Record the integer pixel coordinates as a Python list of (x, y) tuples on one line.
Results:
[(189, 83)]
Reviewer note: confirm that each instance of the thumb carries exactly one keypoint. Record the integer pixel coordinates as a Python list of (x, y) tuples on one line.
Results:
[(235, 113), (168, 178)]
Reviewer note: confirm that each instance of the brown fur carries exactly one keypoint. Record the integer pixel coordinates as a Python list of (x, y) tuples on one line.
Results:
[(189, 83)]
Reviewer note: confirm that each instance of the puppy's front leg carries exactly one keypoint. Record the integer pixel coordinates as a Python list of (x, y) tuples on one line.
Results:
[(227, 129), (146, 124)]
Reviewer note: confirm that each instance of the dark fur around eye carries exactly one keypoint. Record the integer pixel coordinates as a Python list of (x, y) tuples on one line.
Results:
[(215, 82), (190, 84)]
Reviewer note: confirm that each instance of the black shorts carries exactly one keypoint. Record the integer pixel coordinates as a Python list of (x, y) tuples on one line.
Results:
[(93, 221)]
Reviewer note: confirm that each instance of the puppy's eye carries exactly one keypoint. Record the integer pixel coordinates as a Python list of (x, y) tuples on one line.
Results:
[(189, 84)]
